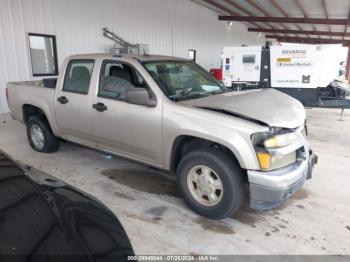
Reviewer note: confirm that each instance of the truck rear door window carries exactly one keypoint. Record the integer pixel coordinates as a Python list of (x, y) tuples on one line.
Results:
[(78, 76)]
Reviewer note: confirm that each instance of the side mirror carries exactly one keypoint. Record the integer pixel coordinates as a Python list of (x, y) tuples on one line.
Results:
[(140, 96)]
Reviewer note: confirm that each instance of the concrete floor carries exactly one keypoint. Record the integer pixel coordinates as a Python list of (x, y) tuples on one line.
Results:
[(315, 221)]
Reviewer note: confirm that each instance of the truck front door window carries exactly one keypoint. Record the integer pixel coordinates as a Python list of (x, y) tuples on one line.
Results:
[(78, 76), (117, 78)]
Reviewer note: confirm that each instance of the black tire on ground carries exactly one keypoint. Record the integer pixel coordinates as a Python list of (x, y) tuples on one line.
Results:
[(51, 142), (228, 171), (327, 92)]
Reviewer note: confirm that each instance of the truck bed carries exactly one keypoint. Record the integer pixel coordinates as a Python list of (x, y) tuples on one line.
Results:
[(36, 93), (47, 82)]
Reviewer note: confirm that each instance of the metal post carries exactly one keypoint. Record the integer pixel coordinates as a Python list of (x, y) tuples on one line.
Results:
[(347, 66), (341, 114)]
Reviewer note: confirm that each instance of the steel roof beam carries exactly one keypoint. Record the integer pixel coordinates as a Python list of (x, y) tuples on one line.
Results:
[(324, 4), (294, 20), (242, 9), (301, 7), (301, 32), (347, 24), (309, 40), (279, 7), (262, 10), (225, 9)]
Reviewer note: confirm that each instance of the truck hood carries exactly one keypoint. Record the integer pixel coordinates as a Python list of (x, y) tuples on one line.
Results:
[(267, 106)]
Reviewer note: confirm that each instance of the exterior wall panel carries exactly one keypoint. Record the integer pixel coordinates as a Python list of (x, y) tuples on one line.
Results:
[(170, 27)]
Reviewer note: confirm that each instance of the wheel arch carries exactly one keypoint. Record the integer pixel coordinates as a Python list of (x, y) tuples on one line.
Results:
[(185, 143), (29, 110)]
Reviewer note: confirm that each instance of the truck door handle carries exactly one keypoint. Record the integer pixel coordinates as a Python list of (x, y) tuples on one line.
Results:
[(100, 107), (63, 100)]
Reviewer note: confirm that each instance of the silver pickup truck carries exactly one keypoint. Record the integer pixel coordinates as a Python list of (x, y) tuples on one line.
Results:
[(171, 114)]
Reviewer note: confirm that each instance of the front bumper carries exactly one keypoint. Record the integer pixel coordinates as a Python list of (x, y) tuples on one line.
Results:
[(270, 189)]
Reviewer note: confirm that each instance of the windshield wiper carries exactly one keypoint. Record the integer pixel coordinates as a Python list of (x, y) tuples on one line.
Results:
[(197, 95), (217, 92), (182, 96)]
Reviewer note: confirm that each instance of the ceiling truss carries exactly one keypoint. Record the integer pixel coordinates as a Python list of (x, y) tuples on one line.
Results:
[(285, 28)]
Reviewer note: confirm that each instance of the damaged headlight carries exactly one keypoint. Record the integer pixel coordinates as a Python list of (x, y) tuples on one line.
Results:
[(271, 148), (282, 140), (270, 162)]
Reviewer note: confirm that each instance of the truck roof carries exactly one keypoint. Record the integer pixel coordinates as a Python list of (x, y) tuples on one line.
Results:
[(146, 57)]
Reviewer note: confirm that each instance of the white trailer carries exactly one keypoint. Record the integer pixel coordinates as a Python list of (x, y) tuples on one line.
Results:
[(302, 71), (241, 64)]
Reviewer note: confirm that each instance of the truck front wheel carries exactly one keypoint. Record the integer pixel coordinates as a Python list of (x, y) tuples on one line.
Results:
[(211, 183), (40, 136)]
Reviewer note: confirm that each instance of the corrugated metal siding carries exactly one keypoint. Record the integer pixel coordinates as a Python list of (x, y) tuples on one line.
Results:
[(170, 27)]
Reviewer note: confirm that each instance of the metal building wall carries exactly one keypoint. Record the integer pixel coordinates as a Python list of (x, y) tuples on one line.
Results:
[(170, 27)]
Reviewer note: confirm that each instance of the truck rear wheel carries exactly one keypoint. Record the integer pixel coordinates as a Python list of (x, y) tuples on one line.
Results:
[(211, 183), (40, 136)]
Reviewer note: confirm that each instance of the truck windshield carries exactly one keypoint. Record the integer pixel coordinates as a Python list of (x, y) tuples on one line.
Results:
[(181, 80)]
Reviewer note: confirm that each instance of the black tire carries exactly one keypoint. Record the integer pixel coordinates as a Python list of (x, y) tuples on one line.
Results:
[(228, 171), (327, 92), (51, 142)]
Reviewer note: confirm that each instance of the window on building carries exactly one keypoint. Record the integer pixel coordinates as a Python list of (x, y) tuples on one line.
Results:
[(248, 59), (192, 55), (43, 54)]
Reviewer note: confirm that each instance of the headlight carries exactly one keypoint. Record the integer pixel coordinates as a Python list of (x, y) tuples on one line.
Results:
[(269, 148), (269, 162), (282, 140)]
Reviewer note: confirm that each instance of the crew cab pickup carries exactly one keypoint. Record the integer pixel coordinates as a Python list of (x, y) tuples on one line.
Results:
[(171, 114)]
